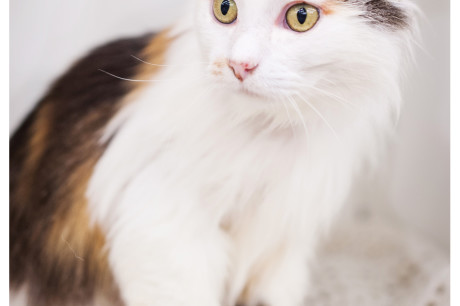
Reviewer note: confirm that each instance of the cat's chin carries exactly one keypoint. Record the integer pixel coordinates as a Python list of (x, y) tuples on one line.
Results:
[(252, 91)]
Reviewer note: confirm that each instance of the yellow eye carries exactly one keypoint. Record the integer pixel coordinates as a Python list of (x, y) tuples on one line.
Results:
[(225, 10), (302, 17)]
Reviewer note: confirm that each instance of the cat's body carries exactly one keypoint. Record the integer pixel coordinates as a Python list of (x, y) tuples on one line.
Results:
[(205, 185)]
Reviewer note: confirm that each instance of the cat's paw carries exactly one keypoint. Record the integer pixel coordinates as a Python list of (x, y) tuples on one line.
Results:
[(274, 299), (283, 284)]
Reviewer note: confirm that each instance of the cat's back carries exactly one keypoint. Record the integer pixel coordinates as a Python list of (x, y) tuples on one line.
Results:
[(55, 252)]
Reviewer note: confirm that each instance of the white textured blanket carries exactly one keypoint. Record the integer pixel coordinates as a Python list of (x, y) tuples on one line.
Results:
[(373, 263)]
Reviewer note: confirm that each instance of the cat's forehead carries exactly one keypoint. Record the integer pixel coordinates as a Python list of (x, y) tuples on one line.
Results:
[(393, 14), (281, 3)]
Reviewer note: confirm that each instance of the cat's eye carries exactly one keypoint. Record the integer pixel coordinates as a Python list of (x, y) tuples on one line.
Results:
[(225, 11), (302, 17)]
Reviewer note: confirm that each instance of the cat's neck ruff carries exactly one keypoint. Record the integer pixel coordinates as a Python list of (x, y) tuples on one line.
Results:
[(180, 120)]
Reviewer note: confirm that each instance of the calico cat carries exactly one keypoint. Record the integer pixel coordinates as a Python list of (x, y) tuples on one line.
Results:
[(200, 165)]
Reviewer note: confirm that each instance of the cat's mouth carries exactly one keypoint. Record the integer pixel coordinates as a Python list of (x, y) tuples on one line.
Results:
[(248, 90)]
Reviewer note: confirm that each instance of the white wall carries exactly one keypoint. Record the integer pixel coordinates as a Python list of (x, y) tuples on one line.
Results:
[(420, 183), (47, 35)]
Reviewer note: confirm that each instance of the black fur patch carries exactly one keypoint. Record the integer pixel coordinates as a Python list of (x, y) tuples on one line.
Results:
[(383, 12), (66, 126)]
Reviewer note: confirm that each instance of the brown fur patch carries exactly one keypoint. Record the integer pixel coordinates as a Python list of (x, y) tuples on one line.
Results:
[(154, 54), (54, 248), (219, 65), (383, 13), (41, 130), (329, 7)]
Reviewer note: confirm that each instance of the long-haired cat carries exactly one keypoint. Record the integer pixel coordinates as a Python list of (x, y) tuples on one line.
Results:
[(199, 166)]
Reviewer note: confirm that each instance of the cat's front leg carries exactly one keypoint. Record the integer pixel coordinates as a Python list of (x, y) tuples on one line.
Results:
[(282, 279), (176, 259)]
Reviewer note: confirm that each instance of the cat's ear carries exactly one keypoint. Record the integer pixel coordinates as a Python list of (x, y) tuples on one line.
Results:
[(412, 14), (391, 15)]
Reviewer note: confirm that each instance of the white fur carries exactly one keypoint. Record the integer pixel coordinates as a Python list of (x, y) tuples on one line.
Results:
[(212, 190)]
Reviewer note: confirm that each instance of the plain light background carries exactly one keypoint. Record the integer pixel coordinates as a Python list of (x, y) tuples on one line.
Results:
[(48, 35)]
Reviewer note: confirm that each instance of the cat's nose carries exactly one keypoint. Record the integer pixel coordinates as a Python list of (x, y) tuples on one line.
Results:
[(241, 69)]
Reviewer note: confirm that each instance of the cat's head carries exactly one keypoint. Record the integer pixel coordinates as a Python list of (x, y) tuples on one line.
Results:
[(284, 48)]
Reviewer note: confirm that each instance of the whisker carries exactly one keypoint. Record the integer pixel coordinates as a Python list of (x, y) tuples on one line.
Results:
[(296, 108), (71, 249), (134, 80), (163, 65), (318, 66), (121, 78), (320, 116), (291, 122), (151, 64), (344, 102), (290, 119)]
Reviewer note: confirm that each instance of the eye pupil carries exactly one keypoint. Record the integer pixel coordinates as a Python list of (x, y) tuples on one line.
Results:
[(302, 15), (225, 7)]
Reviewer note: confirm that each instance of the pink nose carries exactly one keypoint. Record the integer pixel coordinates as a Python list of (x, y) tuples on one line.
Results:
[(241, 69)]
